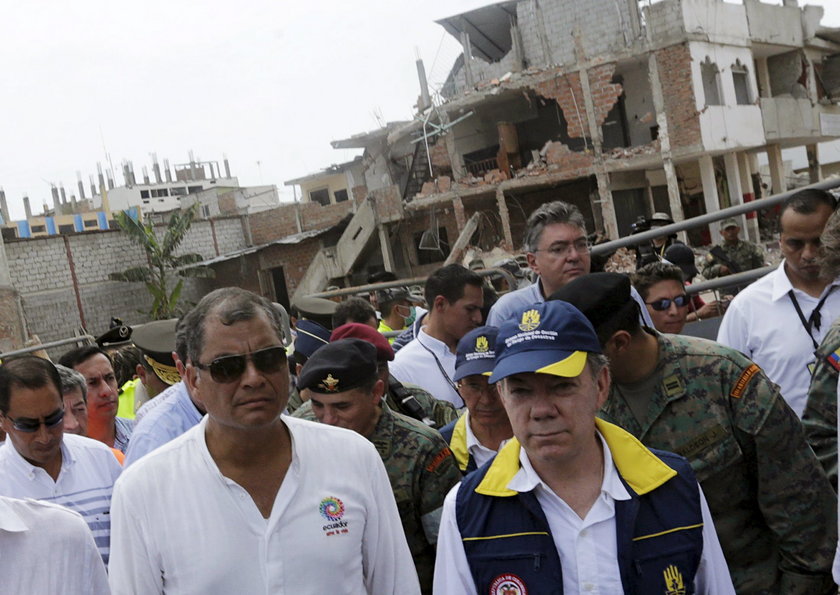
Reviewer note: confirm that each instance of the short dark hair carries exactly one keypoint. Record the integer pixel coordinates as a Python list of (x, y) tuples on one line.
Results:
[(354, 309), (181, 341), (125, 361), (548, 214), (27, 371), (807, 201), (653, 273), (626, 319), (74, 357), (449, 281), (230, 305)]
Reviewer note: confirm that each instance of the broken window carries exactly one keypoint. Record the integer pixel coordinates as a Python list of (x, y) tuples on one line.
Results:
[(711, 82), (431, 247), (340, 195), (321, 196), (179, 191), (742, 83)]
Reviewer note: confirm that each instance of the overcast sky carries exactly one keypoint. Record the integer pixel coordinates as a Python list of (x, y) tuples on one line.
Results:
[(268, 83)]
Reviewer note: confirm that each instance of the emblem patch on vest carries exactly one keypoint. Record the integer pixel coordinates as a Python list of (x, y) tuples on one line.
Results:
[(738, 390), (674, 584), (508, 584)]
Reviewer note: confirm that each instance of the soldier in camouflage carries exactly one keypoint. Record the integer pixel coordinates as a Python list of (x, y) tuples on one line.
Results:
[(820, 415), (341, 382), (734, 255), (773, 507)]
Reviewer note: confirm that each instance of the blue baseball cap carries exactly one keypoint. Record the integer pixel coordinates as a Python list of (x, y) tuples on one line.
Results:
[(476, 352), (547, 338)]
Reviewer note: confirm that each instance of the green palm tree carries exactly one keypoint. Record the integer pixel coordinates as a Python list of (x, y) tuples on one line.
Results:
[(163, 263)]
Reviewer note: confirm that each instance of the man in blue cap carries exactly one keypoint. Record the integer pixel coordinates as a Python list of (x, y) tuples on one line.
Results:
[(572, 501), (484, 427)]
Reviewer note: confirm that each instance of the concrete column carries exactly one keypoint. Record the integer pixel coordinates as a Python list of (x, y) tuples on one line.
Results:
[(460, 217), (763, 74), (734, 185), (744, 169), (465, 43), (385, 247), (777, 168), (710, 193), (505, 217), (814, 167)]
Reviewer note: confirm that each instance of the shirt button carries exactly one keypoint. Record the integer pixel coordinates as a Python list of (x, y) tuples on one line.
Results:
[(584, 533), (588, 587)]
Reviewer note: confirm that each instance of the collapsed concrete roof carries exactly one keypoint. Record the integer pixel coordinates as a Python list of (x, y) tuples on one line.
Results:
[(488, 28), (365, 139), (335, 168)]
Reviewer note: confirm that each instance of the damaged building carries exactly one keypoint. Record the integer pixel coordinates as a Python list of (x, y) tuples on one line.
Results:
[(619, 108)]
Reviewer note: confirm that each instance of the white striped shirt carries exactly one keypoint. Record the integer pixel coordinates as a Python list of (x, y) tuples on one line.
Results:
[(85, 482)]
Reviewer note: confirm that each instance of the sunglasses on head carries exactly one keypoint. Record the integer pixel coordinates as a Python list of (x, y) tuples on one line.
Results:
[(230, 367), (665, 303), (29, 426)]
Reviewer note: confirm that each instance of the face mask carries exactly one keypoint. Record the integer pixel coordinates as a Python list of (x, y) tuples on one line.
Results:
[(411, 317)]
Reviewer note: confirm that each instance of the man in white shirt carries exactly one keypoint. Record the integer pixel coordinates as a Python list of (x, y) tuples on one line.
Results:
[(780, 320), (454, 296), (249, 501), (47, 549), (572, 500), (484, 427), (39, 461)]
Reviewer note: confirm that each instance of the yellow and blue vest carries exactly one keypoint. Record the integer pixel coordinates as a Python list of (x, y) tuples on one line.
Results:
[(659, 530)]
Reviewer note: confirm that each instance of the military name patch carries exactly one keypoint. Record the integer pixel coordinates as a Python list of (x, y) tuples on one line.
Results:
[(738, 390), (702, 442), (507, 584)]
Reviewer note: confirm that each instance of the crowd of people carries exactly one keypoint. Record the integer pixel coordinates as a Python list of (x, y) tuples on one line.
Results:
[(568, 437)]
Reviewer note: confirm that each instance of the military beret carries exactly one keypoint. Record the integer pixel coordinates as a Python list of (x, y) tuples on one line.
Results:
[(355, 330), (156, 342), (338, 367), (598, 295), (311, 336)]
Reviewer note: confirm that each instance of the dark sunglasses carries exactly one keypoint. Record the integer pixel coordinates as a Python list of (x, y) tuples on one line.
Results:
[(29, 426), (230, 367), (665, 303)]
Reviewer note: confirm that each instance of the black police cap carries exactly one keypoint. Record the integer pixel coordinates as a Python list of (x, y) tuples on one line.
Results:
[(598, 295), (338, 367)]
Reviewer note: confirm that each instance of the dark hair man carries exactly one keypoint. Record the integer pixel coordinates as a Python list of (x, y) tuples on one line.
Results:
[(229, 506), (40, 461), (572, 504), (354, 309), (780, 320), (102, 393), (455, 297), (345, 389), (709, 403)]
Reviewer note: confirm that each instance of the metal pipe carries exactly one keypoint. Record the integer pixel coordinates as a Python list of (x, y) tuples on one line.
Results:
[(81, 338), (667, 230), (744, 278)]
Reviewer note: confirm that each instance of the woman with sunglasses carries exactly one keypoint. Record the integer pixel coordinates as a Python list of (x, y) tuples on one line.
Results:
[(662, 288)]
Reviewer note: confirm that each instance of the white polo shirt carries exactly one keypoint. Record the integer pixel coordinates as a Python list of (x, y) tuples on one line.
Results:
[(84, 484), (428, 363), (480, 453), (180, 526), (762, 323), (587, 547), (45, 548)]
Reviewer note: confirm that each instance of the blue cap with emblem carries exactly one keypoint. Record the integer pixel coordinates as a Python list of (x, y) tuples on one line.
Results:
[(476, 352), (547, 338)]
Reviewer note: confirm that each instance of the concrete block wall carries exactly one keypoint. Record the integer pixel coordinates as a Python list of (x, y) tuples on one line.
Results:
[(37, 265), (664, 20), (96, 255), (229, 234)]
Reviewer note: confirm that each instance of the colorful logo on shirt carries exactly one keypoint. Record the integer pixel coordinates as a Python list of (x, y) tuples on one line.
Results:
[(674, 584), (332, 508), (530, 320), (482, 345), (508, 584)]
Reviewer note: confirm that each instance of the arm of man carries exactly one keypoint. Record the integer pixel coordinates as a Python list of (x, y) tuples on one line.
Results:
[(820, 416), (440, 473), (388, 566), (452, 572), (712, 574), (793, 493)]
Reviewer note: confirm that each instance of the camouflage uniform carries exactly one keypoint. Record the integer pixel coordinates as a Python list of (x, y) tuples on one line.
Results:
[(440, 412), (820, 415), (745, 255), (421, 470), (774, 510)]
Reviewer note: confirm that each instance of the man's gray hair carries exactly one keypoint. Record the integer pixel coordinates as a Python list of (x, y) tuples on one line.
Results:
[(230, 305), (71, 380), (548, 214), (597, 362)]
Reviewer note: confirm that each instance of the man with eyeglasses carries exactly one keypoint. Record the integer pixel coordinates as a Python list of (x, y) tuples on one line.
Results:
[(484, 427), (39, 461), (558, 251), (249, 501), (774, 508)]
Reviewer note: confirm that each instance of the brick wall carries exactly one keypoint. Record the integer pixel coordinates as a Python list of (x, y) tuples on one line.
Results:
[(280, 222), (674, 64), (294, 258)]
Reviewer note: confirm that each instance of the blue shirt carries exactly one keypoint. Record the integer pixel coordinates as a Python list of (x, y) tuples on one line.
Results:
[(165, 422)]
